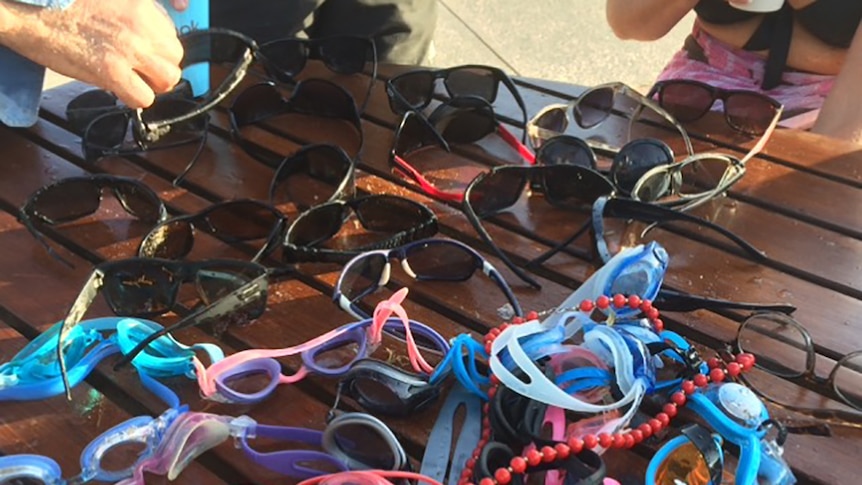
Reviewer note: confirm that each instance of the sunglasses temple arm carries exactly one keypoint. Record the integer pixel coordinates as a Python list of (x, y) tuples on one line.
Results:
[(649, 103), (76, 314), (373, 76), (764, 139), (513, 142), (559, 247), (518, 99), (675, 301), (477, 225), (179, 178)]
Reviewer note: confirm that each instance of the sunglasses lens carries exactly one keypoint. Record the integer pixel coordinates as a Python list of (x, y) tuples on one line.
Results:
[(322, 98), (685, 465), (172, 240), (414, 134), (472, 82), (442, 262), (635, 159), (553, 120), (243, 221), (463, 125), (594, 107), (777, 342), (416, 88), (285, 58), (139, 201), (749, 113), (86, 107), (256, 103), (68, 200), (654, 186), (573, 186), (185, 131), (686, 102), (365, 445), (363, 276), (566, 150), (311, 177), (848, 380), (703, 175), (317, 225), (496, 191), (344, 55), (141, 289), (105, 133), (390, 214)]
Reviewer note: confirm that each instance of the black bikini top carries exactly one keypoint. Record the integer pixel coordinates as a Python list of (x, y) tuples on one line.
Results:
[(832, 21)]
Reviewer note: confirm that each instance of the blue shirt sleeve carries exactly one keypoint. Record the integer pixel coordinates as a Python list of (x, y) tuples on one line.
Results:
[(22, 79)]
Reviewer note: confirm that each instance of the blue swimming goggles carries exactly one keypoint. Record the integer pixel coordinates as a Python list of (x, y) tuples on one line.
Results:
[(34, 373)]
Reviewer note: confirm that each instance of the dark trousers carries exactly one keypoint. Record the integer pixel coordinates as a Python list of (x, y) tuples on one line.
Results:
[(402, 29)]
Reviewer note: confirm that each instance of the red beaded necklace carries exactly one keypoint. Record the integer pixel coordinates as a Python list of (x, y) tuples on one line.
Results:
[(718, 371)]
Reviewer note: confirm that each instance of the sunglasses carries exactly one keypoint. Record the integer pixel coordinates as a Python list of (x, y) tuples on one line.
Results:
[(426, 260), (564, 186), (748, 112), (73, 198), (341, 54), (590, 109), (382, 388), (143, 287), (314, 174), (235, 222), (388, 220), (414, 90), (784, 348), (313, 97)]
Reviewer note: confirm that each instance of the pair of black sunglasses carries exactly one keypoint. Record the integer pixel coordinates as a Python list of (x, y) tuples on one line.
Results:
[(235, 222), (73, 198), (314, 175), (341, 54), (313, 97), (414, 90), (389, 221)]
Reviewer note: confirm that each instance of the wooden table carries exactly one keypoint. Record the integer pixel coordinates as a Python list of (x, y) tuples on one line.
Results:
[(799, 202)]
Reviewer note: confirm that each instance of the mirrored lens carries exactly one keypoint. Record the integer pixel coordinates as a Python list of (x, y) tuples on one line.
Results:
[(777, 342), (366, 445), (594, 107), (635, 159), (496, 191), (685, 102), (472, 82), (684, 465), (363, 276), (848, 380), (442, 261), (67, 200), (749, 113), (172, 240)]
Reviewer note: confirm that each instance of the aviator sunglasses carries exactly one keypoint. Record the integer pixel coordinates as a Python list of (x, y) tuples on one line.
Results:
[(73, 198)]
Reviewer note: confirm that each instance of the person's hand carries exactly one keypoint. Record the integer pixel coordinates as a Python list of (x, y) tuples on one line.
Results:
[(128, 47), (180, 5)]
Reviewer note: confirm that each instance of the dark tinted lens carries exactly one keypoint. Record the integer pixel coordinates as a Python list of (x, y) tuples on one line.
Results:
[(497, 190), (243, 221), (389, 213), (570, 186), (466, 125), (344, 55), (376, 392), (105, 133), (257, 103), (442, 261), (285, 58), (67, 200), (414, 134), (553, 120), (316, 225), (21, 481), (215, 48), (749, 113), (703, 175), (215, 281), (311, 177), (172, 240), (635, 159), (140, 289), (415, 87), (594, 107), (186, 131), (472, 82), (566, 150), (322, 98), (364, 444), (86, 107), (361, 278), (686, 102), (139, 200)]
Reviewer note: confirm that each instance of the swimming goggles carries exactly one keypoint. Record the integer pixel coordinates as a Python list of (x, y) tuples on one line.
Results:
[(695, 457), (370, 477)]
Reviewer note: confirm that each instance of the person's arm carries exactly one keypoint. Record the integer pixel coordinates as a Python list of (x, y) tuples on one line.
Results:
[(645, 19), (129, 47), (841, 114)]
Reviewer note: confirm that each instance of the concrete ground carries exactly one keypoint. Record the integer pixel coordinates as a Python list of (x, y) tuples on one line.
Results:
[(560, 40)]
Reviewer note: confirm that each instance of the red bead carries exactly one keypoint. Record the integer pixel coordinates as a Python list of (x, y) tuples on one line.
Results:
[(646, 305), (503, 476), (476, 453), (630, 440), (637, 435), (678, 398), (663, 418), (590, 441), (486, 409), (549, 454), (712, 362), (534, 457), (733, 369), (465, 482), (586, 306), (652, 313), (688, 387), (634, 302), (503, 327), (471, 463), (716, 375), (670, 409), (495, 381), (620, 300), (655, 425), (619, 441), (563, 450), (603, 302), (486, 481), (658, 324), (492, 391), (646, 430), (700, 380), (486, 434), (576, 445), (746, 360), (482, 443), (532, 315), (606, 440), (488, 347), (518, 464)]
